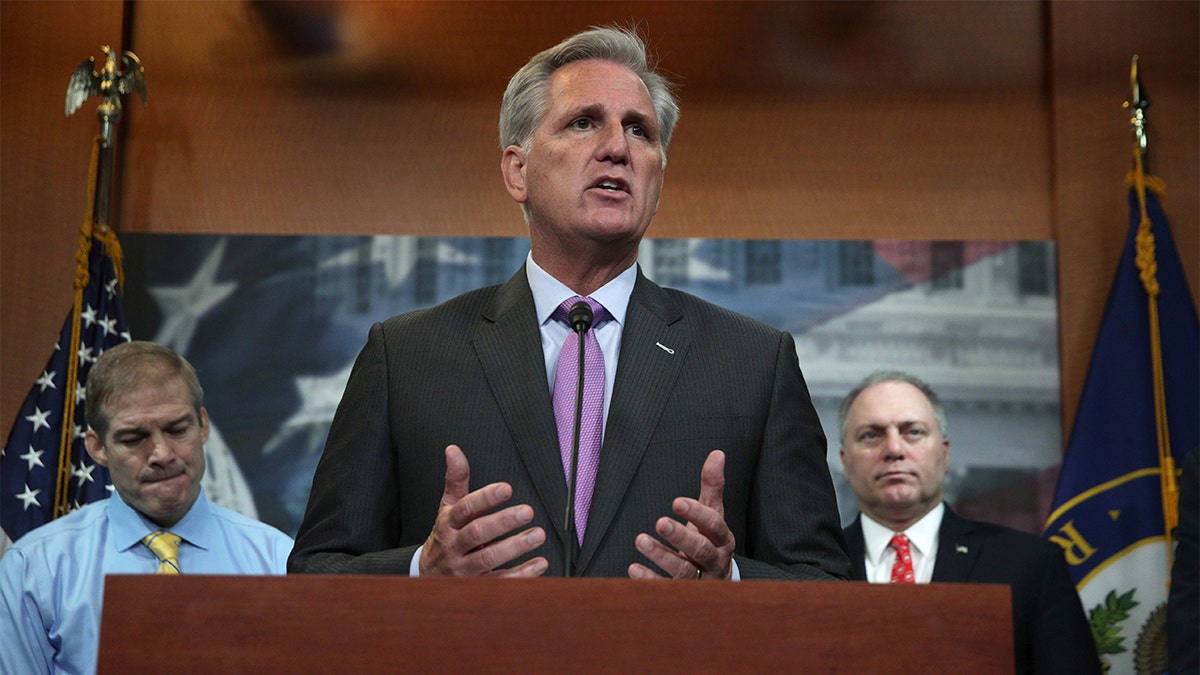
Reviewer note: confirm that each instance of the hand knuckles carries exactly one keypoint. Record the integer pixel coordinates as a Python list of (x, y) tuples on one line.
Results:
[(487, 558), (475, 534)]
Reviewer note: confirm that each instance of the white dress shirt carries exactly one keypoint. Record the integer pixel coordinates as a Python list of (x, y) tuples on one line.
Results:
[(549, 293), (922, 541)]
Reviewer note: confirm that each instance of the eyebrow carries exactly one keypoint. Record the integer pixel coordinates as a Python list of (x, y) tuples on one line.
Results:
[(141, 429), (900, 425)]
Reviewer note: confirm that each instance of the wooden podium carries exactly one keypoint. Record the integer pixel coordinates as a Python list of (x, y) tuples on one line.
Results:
[(357, 624)]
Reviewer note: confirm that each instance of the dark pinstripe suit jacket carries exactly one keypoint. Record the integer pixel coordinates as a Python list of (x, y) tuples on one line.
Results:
[(471, 372), (1050, 631)]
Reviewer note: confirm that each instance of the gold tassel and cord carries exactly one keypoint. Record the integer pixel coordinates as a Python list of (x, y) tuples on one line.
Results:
[(88, 233), (1148, 268)]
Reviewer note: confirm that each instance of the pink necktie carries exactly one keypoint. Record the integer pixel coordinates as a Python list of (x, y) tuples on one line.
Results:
[(902, 569), (591, 418)]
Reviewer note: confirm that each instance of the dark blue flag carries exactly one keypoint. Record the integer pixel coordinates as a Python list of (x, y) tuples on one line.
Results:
[(45, 471), (1108, 510)]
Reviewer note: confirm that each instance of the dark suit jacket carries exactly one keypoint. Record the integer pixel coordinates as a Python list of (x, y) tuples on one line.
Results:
[(691, 377), (1050, 630)]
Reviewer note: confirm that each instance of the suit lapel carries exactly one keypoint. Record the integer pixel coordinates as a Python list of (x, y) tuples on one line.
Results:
[(510, 351), (957, 548), (646, 374)]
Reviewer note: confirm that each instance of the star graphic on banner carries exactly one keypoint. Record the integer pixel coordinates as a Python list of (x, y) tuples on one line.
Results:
[(88, 315), (80, 394), (183, 306), (46, 381), (33, 457), (39, 419), (85, 354), (319, 398), (110, 289), (29, 497)]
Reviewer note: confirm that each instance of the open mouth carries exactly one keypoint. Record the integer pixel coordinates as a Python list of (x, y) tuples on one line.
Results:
[(611, 185)]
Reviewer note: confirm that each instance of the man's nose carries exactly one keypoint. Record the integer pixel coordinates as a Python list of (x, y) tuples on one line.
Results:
[(892, 445), (161, 452), (614, 144)]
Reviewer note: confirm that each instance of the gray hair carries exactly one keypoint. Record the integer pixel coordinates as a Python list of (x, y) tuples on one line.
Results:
[(127, 367), (880, 376), (525, 98)]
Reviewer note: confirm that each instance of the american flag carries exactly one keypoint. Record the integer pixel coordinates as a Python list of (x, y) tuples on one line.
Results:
[(45, 471)]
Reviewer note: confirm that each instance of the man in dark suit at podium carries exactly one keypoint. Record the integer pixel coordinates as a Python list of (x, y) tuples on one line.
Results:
[(896, 452), (446, 456)]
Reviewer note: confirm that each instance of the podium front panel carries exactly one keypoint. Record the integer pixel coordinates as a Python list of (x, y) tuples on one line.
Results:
[(317, 623)]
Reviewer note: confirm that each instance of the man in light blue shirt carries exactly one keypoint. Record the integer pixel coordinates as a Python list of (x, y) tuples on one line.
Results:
[(148, 425)]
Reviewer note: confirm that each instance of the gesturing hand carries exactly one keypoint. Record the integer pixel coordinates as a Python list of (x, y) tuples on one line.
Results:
[(703, 549), (465, 538)]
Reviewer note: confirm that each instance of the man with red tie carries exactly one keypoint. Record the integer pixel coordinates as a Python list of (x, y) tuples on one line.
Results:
[(896, 452)]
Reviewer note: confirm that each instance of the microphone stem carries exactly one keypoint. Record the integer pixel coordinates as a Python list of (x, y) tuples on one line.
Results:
[(569, 534)]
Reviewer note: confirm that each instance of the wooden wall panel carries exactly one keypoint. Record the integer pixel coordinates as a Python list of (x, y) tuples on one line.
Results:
[(43, 180), (984, 120), (870, 131), (1092, 48)]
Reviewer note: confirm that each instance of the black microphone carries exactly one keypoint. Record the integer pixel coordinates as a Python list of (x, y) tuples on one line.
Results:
[(580, 317)]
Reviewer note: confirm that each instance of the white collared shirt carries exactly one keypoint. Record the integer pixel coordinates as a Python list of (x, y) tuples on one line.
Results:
[(922, 540), (549, 293)]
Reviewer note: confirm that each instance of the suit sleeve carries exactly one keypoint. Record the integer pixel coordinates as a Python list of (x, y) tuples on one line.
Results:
[(794, 520), (352, 522), (1061, 642)]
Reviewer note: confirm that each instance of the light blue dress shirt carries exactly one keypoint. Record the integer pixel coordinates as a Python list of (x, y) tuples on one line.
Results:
[(52, 579)]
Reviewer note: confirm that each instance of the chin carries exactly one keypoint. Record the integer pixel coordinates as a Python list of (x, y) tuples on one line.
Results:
[(173, 501)]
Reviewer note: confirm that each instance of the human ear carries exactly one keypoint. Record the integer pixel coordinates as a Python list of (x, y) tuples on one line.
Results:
[(95, 448), (512, 167)]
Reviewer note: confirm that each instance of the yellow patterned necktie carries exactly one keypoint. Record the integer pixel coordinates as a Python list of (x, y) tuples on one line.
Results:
[(166, 546)]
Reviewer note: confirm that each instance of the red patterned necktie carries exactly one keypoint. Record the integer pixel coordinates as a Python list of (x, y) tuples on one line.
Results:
[(591, 416), (902, 569)]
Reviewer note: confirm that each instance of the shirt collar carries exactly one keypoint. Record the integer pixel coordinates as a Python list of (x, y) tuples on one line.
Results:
[(127, 526), (549, 293), (922, 535)]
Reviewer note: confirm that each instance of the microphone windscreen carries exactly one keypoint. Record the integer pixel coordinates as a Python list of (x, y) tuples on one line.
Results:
[(580, 317)]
